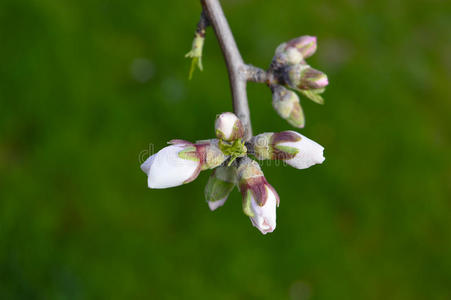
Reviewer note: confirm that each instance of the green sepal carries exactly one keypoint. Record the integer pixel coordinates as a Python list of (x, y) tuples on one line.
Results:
[(189, 153), (262, 145), (297, 118), (313, 95), (219, 134), (217, 189), (247, 204), (286, 149)]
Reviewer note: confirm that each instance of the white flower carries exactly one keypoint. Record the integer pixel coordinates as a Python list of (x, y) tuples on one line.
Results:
[(167, 169), (228, 127), (307, 152), (264, 216)]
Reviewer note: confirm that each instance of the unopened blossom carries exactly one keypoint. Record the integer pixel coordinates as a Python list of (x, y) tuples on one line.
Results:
[(181, 163), (289, 68), (288, 106), (260, 199), (221, 182), (228, 127), (296, 50), (304, 77), (295, 149)]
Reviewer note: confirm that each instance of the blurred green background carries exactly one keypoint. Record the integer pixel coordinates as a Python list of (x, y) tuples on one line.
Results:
[(86, 87)]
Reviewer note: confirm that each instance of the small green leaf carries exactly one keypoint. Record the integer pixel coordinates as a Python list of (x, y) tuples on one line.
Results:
[(313, 95), (194, 61), (196, 54)]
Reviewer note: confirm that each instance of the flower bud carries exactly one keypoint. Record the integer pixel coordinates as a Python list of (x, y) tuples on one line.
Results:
[(306, 45), (259, 197), (288, 106), (304, 77), (296, 50), (219, 185), (287, 55), (228, 127), (181, 163), (295, 149)]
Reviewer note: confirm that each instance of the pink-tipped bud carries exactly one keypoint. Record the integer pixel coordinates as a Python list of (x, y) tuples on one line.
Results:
[(306, 45), (304, 77), (295, 51)]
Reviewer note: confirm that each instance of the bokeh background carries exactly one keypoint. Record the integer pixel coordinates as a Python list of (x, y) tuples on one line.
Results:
[(89, 87)]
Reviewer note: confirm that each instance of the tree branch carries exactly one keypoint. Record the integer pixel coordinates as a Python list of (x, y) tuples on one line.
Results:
[(259, 75), (202, 25), (235, 65)]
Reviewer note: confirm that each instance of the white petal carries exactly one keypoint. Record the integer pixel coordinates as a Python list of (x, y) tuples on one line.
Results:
[(225, 123), (265, 216), (216, 204), (167, 169), (310, 153), (146, 165)]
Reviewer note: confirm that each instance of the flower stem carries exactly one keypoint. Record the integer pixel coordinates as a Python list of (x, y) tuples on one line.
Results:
[(235, 65)]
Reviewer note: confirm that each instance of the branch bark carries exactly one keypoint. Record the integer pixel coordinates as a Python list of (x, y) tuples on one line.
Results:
[(202, 24), (235, 65), (256, 74)]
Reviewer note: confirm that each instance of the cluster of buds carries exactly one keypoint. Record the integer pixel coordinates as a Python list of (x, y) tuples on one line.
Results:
[(229, 154), (290, 70), (182, 161)]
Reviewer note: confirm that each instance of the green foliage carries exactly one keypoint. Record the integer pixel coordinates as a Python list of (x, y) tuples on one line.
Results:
[(196, 55), (86, 86)]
